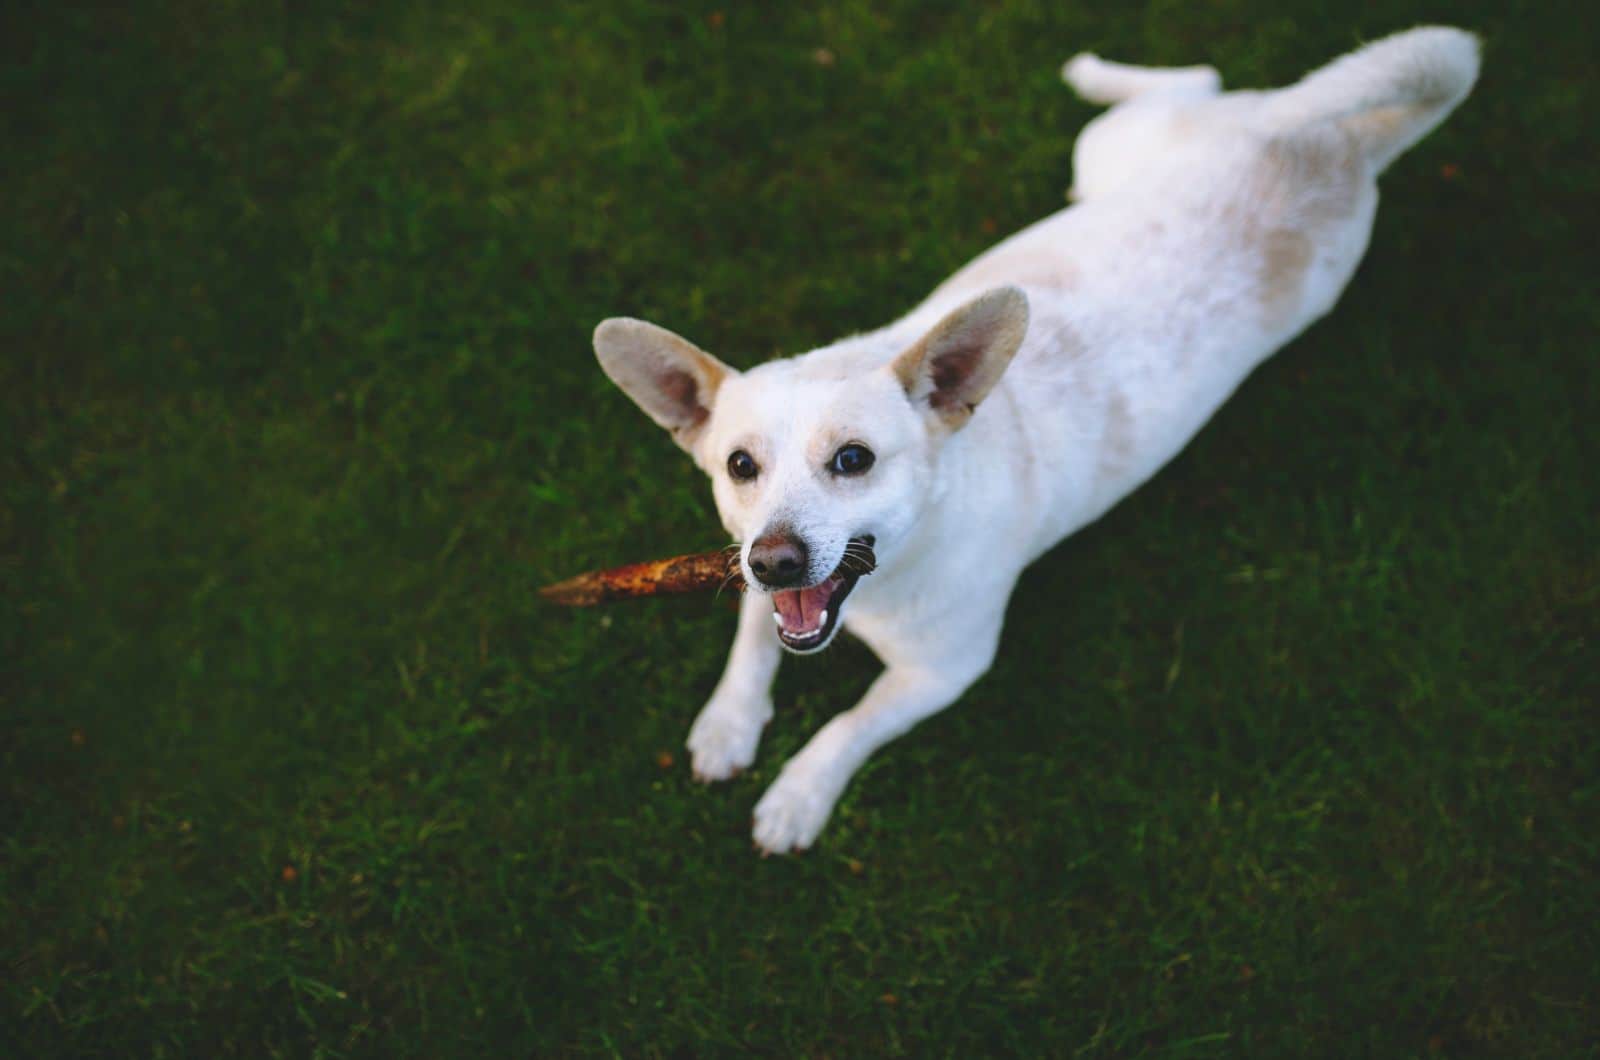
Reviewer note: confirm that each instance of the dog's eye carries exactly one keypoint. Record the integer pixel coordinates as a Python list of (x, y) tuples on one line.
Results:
[(851, 459), (742, 466)]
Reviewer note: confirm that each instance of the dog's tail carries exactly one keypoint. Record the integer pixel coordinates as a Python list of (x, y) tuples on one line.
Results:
[(1389, 94)]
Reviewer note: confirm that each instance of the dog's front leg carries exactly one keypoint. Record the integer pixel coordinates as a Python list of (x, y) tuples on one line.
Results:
[(795, 808), (723, 739)]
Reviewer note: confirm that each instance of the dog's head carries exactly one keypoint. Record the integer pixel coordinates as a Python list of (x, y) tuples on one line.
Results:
[(811, 458)]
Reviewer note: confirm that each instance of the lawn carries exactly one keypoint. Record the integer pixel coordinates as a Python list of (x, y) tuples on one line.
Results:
[(1295, 753)]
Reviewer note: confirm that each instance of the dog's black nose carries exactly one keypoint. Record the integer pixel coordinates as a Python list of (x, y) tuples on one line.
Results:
[(778, 559)]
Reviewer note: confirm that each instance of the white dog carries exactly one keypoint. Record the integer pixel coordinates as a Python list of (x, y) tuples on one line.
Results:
[(1030, 392)]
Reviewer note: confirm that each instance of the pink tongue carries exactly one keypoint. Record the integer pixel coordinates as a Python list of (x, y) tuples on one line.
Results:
[(802, 608)]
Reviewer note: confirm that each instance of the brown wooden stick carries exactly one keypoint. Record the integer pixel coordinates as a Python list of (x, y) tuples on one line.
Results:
[(680, 574)]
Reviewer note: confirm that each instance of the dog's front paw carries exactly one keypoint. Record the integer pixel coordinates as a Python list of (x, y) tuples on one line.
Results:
[(792, 812), (722, 743)]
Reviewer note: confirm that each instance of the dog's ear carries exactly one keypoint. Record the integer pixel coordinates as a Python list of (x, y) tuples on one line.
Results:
[(671, 378), (955, 365)]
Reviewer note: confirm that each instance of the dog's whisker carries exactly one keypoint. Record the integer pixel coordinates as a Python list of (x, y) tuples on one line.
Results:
[(726, 582), (858, 558)]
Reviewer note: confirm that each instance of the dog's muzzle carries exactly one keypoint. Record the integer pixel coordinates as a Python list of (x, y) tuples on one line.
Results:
[(807, 617)]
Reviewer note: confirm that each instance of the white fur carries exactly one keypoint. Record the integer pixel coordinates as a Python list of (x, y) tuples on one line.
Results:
[(1212, 228)]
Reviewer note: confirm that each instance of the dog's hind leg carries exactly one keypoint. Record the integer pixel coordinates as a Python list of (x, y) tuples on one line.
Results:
[(1102, 81), (1151, 103), (1387, 95)]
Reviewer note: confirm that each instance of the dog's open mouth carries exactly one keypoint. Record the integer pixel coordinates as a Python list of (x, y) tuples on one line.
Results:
[(807, 617)]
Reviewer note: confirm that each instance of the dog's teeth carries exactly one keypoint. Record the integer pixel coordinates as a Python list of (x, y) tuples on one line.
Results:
[(778, 618), (822, 620)]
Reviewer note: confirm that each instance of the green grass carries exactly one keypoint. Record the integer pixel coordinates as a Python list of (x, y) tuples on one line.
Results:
[(1295, 753)]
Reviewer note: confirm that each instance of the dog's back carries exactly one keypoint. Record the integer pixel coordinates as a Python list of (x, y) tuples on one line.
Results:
[(1211, 229)]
